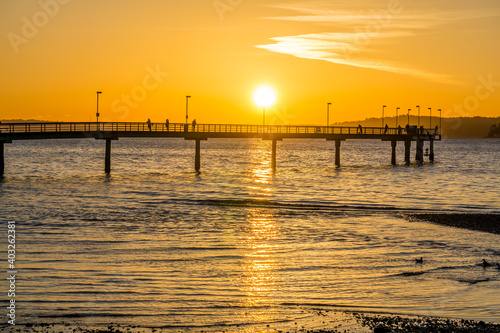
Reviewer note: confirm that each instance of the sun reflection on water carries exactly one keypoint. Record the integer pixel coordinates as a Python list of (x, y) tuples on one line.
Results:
[(259, 280)]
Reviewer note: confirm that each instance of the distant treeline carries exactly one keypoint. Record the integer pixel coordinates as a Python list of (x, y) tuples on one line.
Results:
[(459, 127)]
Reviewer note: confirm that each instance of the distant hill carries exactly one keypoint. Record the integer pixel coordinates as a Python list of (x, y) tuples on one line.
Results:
[(459, 127)]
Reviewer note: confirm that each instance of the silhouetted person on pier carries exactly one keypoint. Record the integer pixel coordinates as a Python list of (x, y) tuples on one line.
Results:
[(436, 130), (407, 128), (386, 128), (360, 129), (399, 129), (149, 124), (194, 124), (421, 130), (167, 124)]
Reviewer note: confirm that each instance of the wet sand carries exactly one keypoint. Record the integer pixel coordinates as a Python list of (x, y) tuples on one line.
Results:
[(480, 222), (314, 321)]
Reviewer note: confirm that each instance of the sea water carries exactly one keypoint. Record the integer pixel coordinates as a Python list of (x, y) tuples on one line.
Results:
[(157, 244)]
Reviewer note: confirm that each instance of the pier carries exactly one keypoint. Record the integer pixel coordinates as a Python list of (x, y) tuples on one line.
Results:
[(112, 131)]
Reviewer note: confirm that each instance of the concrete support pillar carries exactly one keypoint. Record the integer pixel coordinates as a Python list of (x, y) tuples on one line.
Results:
[(107, 159), (420, 151), (393, 158), (337, 153), (2, 162), (431, 153), (197, 158), (407, 151)]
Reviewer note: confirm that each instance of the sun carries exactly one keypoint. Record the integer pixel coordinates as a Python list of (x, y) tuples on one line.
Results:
[(264, 96)]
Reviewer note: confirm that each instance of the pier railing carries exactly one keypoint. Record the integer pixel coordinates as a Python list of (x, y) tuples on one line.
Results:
[(6, 128)]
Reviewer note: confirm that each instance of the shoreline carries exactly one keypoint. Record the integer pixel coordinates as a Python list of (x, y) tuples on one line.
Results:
[(485, 222), (317, 320)]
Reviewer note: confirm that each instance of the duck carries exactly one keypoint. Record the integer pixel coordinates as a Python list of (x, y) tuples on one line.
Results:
[(486, 264), (419, 261)]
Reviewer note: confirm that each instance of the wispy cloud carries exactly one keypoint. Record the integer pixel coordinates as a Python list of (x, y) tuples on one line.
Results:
[(354, 38)]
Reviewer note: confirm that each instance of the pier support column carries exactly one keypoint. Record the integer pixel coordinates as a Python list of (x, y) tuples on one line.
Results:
[(107, 159), (407, 151), (337, 153), (420, 152), (197, 158), (431, 152), (2, 163), (273, 156), (394, 144)]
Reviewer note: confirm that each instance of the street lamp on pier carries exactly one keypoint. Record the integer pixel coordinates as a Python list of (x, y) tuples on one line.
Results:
[(383, 109), (97, 112), (409, 117), (397, 109), (187, 99), (430, 118), (418, 116), (440, 129), (328, 114)]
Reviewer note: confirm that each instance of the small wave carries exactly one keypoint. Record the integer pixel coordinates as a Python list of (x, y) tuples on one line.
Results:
[(473, 281)]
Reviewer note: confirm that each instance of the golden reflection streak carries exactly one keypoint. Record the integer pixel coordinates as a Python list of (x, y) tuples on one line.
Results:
[(259, 281)]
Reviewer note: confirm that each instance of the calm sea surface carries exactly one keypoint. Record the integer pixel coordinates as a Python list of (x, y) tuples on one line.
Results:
[(157, 244)]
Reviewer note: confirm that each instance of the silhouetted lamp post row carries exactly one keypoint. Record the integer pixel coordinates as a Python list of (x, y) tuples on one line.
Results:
[(409, 110)]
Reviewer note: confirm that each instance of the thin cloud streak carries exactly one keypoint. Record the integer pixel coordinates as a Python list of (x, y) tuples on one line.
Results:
[(338, 47), (325, 47)]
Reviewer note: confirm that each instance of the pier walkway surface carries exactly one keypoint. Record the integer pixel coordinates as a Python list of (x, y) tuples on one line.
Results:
[(109, 131)]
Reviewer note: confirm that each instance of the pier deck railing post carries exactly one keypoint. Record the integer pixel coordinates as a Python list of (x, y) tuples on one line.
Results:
[(394, 144), (407, 151)]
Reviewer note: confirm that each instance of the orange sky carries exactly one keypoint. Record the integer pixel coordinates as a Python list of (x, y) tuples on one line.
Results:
[(146, 56)]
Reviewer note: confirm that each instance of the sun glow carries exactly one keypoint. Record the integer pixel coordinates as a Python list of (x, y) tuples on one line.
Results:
[(264, 96)]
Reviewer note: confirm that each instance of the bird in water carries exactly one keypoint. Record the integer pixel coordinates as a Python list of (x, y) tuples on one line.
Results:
[(419, 261), (486, 264)]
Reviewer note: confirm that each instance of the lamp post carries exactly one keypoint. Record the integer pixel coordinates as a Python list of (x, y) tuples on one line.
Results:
[(397, 109), (328, 114), (97, 112), (187, 99), (383, 109), (409, 117), (440, 129), (430, 118), (418, 117)]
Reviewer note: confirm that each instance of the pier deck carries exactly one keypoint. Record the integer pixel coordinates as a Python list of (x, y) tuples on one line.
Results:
[(114, 130)]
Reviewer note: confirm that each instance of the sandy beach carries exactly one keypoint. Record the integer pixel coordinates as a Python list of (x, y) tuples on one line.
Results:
[(315, 320)]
